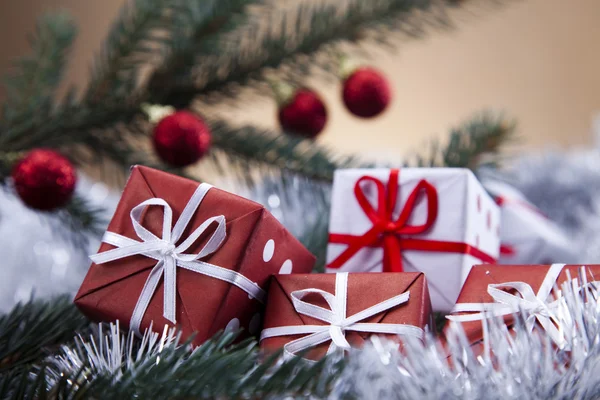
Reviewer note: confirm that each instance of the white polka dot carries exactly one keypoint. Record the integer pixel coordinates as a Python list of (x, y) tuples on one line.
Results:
[(269, 250), (233, 325), (286, 267), (254, 325)]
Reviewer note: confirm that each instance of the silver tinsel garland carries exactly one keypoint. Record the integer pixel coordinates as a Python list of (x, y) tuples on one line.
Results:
[(519, 364)]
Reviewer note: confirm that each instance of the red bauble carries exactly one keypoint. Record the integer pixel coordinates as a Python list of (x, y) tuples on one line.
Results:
[(44, 179), (304, 114), (181, 138), (366, 92)]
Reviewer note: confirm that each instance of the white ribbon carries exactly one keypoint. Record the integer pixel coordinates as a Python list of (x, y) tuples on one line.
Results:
[(337, 320), (538, 306), (170, 256)]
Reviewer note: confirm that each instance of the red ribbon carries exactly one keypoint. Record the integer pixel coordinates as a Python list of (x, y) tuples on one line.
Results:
[(500, 200), (388, 233), (507, 250)]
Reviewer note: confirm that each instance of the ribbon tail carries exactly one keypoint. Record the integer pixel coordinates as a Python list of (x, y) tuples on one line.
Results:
[(145, 297), (306, 342), (355, 244), (338, 338), (556, 335), (392, 254), (170, 293), (226, 275)]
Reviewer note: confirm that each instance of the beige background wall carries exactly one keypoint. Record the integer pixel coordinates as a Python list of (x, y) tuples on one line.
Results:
[(539, 60)]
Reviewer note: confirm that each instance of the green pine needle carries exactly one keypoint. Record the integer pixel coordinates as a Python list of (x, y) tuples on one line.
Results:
[(248, 146), (470, 143), (30, 329), (132, 42), (32, 86), (303, 37), (79, 216), (217, 369)]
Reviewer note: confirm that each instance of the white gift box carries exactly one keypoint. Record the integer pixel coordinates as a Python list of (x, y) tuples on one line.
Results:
[(526, 235), (464, 232)]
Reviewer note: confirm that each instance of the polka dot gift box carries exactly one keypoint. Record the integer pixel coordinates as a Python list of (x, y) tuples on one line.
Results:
[(187, 254), (439, 221)]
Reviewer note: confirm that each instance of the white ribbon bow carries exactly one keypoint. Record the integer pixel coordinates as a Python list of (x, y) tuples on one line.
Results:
[(170, 256), (536, 305), (337, 320)]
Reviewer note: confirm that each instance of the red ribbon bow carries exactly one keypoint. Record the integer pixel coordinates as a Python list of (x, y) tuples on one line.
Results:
[(389, 233)]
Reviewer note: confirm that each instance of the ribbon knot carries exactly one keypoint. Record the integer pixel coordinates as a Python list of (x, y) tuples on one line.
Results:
[(540, 309), (168, 250), (338, 322), (169, 255)]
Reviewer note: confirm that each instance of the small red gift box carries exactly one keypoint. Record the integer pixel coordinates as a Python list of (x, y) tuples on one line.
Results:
[(322, 313), (506, 290), (184, 253)]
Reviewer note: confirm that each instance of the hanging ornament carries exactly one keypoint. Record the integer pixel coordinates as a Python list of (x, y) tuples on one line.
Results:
[(366, 92), (180, 137), (44, 179), (301, 111)]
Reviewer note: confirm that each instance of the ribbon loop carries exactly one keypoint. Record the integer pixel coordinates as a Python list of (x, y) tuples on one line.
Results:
[(169, 255), (337, 320)]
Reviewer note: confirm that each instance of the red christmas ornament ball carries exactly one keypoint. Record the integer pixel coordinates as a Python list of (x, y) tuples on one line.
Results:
[(181, 138), (44, 179), (305, 114), (366, 92)]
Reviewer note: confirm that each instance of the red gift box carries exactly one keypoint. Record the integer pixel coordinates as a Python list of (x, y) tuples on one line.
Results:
[(319, 313), (506, 290), (216, 254)]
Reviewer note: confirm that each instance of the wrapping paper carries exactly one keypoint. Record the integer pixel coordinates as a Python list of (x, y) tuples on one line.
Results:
[(364, 290), (526, 235), (256, 246), (465, 213), (475, 289)]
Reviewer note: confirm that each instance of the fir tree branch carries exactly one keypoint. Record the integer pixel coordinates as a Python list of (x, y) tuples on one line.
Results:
[(67, 126), (295, 36), (132, 42), (470, 143), (29, 329), (198, 26), (248, 146), (31, 89), (217, 369), (80, 217)]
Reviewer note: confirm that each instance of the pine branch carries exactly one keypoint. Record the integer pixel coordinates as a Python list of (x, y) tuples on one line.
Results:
[(81, 218), (32, 86), (469, 144), (132, 42), (67, 126), (29, 329), (295, 36), (198, 26), (248, 146), (217, 369)]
